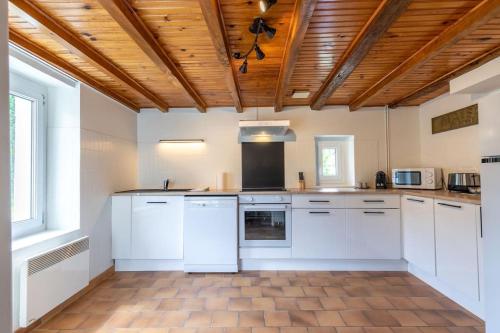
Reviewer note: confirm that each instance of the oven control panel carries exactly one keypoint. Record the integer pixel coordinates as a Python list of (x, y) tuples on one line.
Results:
[(265, 198)]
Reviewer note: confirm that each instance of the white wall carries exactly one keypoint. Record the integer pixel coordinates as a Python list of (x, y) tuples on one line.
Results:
[(107, 163), (404, 137), (5, 243), (454, 151), (63, 158), (192, 165)]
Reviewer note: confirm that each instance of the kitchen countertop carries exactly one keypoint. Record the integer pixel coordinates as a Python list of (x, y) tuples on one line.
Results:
[(440, 194)]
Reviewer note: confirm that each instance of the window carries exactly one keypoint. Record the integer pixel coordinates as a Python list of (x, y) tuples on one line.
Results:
[(335, 160), (27, 162)]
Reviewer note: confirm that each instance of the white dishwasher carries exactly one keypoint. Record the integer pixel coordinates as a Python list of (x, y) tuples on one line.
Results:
[(210, 234)]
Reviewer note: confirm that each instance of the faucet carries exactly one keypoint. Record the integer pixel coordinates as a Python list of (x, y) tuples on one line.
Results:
[(165, 184)]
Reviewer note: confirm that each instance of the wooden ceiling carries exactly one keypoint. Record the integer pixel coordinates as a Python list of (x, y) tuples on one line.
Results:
[(177, 53)]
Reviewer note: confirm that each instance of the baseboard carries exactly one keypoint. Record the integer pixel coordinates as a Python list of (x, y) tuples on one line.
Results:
[(323, 265), (51, 314), (474, 306), (134, 265)]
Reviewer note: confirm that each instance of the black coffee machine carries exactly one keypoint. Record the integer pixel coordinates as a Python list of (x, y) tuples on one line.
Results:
[(381, 180)]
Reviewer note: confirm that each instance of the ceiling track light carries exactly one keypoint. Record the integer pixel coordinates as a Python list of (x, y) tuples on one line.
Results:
[(257, 27), (264, 5)]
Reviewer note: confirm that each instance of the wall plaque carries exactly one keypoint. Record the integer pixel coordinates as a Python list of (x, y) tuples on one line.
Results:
[(464, 117)]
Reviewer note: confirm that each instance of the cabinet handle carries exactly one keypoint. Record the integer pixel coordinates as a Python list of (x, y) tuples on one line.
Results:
[(319, 201), (374, 201), (449, 205), (319, 212), (380, 213), (415, 200), (156, 202)]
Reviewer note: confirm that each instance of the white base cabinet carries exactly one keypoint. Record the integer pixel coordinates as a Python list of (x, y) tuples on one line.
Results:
[(374, 233), (319, 233), (147, 227), (157, 227), (121, 227), (417, 215), (457, 246)]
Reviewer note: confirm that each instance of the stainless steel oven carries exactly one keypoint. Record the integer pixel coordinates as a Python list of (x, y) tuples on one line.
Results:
[(265, 221)]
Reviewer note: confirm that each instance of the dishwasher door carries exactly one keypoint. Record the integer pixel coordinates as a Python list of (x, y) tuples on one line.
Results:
[(211, 234)]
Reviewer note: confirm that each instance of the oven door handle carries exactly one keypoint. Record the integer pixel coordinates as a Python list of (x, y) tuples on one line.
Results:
[(266, 207)]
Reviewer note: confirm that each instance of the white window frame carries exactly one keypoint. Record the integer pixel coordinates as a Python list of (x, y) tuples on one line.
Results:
[(343, 160), (27, 89)]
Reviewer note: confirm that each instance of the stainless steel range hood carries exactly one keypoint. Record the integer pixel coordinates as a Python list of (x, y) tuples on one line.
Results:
[(264, 130)]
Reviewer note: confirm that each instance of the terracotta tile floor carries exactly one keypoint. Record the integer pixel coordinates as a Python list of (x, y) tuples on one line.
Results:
[(264, 302)]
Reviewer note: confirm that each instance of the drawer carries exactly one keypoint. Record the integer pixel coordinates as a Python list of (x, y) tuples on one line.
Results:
[(318, 201), (373, 201)]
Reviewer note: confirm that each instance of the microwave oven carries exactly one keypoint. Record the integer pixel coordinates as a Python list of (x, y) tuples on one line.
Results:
[(418, 178)]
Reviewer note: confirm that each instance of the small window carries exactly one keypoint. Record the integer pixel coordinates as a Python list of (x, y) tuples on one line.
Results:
[(27, 157), (335, 160)]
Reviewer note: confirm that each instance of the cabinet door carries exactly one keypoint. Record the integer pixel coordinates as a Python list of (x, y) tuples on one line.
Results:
[(374, 233), (157, 227), (319, 233), (418, 232), (456, 246), (121, 225)]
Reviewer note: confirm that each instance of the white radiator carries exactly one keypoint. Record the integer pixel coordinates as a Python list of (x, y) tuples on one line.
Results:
[(52, 277)]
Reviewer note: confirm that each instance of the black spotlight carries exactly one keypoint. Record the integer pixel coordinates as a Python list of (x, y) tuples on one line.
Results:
[(270, 31), (258, 53), (244, 67), (264, 5), (237, 55), (256, 26)]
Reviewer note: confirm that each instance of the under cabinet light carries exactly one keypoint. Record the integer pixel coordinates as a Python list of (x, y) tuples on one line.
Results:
[(182, 140)]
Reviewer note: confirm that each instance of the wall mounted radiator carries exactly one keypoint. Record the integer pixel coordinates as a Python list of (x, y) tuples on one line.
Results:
[(50, 278)]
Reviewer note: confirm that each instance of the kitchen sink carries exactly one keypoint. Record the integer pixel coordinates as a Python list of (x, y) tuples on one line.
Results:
[(157, 190)]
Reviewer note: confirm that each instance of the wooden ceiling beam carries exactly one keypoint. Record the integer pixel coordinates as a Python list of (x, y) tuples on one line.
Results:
[(445, 79), (384, 16), (303, 12), (27, 45), (215, 22), (130, 21), (477, 16), (29, 11)]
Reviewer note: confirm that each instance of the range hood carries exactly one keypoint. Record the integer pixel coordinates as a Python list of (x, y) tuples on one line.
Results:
[(264, 130)]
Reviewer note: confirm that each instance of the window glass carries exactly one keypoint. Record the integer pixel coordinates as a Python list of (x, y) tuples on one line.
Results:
[(335, 160), (329, 161), (22, 158)]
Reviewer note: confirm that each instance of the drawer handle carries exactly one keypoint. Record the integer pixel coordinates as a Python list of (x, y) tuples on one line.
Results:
[(374, 201), (449, 205), (319, 201), (415, 200), (319, 212), (156, 202), (379, 213)]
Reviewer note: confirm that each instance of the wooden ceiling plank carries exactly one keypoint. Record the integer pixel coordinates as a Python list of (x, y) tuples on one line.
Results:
[(303, 12), (215, 22), (42, 20), (444, 80), (376, 26), (24, 43), (477, 16), (130, 21)]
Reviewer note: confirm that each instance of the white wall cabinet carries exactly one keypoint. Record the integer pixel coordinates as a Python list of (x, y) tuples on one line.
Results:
[(457, 246), (319, 233), (417, 215), (157, 227), (374, 233)]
